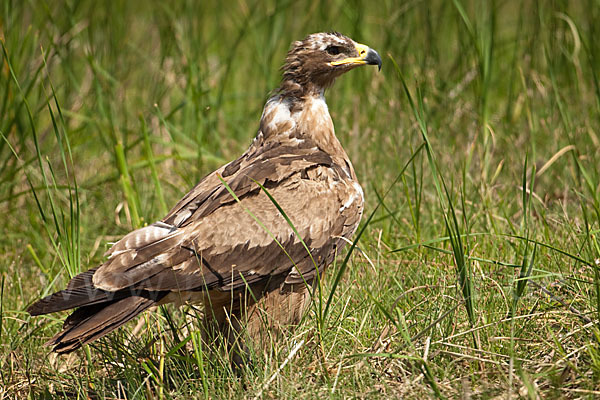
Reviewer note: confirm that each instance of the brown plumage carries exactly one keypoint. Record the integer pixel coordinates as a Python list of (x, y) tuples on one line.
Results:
[(210, 247)]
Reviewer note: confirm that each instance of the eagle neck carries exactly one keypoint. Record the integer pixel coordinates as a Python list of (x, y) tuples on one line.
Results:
[(300, 86), (300, 122), (315, 123)]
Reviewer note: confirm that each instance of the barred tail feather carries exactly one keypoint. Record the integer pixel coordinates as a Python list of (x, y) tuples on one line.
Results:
[(97, 313), (92, 322)]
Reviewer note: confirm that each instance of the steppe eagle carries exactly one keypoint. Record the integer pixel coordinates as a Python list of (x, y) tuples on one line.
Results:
[(238, 255)]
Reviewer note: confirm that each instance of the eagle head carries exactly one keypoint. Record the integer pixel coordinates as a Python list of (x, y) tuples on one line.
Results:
[(312, 64)]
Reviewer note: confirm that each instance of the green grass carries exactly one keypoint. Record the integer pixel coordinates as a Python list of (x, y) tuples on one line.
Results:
[(477, 272)]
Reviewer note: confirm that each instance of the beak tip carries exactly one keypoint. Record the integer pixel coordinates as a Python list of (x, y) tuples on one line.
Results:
[(373, 58)]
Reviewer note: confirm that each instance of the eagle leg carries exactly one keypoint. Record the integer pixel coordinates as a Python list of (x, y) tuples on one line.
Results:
[(253, 319)]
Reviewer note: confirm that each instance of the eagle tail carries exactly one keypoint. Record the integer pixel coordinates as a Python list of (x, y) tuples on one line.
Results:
[(98, 311), (92, 322), (79, 292)]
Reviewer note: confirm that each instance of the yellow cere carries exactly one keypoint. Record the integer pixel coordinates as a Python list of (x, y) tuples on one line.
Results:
[(362, 52)]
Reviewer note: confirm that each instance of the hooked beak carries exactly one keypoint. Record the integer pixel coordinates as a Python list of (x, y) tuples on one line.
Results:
[(366, 56)]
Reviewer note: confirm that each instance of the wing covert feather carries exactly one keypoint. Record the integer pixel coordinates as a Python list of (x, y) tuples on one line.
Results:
[(219, 244)]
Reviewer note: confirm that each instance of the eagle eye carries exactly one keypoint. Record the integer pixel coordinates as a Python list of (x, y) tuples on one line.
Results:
[(333, 50)]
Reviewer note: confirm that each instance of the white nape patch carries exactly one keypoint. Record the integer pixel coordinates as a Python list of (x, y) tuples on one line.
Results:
[(320, 104), (278, 112)]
